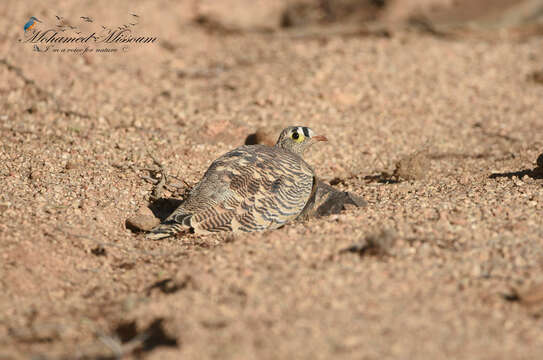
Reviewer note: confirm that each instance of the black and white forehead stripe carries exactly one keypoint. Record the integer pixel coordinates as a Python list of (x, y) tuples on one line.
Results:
[(306, 131)]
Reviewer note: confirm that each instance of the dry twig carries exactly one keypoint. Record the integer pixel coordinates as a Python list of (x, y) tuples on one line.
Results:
[(159, 187)]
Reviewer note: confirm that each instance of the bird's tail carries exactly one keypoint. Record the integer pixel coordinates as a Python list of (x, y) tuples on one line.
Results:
[(173, 225)]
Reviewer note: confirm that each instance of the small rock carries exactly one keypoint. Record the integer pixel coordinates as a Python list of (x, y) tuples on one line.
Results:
[(99, 251), (34, 175), (413, 167), (264, 136), (378, 244), (532, 296), (144, 210), (71, 165), (536, 76), (141, 222), (87, 204), (540, 161)]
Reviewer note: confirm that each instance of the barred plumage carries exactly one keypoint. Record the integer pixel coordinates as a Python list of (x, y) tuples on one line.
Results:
[(250, 188)]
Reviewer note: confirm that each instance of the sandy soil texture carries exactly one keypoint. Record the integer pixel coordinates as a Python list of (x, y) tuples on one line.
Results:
[(435, 120)]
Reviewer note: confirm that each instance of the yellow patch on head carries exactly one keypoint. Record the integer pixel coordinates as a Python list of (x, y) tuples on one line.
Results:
[(296, 136)]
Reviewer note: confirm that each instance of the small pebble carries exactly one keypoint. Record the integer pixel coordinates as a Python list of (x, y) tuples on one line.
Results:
[(71, 165), (413, 167), (540, 161), (531, 296), (142, 222), (265, 136), (145, 211)]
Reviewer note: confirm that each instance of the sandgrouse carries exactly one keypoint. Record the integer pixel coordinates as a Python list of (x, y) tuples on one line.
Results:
[(251, 188)]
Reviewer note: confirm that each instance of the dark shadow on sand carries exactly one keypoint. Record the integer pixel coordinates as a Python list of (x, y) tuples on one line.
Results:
[(536, 173), (163, 207)]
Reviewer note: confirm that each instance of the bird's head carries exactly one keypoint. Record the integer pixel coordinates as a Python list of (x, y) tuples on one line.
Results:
[(34, 18), (298, 139)]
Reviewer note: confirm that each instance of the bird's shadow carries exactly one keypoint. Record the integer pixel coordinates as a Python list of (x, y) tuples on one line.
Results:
[(535, 173), (163, 207)]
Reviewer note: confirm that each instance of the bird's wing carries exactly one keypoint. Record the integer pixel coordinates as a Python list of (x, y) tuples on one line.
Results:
[(248, 189)]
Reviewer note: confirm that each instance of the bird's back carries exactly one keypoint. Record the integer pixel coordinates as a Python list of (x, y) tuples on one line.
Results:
[(250, 188)]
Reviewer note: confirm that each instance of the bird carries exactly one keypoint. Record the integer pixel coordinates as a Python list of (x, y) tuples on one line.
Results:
[(30, 23), (250, 188)]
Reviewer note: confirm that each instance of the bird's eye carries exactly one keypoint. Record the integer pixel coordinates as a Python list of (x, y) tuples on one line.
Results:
[(297, 137)]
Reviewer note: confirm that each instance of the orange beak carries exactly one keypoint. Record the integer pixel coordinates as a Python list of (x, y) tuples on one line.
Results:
[(319, 138)]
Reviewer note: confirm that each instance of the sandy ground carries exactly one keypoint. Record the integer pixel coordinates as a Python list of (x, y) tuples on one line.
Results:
[(458, 248)]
